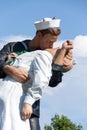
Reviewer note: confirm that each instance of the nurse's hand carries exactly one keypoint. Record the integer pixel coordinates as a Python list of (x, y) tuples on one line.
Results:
[(26, 111)]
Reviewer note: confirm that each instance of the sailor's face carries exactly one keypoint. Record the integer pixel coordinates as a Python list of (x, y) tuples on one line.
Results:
[(47, 41)]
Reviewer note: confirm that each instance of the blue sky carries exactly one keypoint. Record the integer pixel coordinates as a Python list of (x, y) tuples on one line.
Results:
[(17, 17), (16, 23)]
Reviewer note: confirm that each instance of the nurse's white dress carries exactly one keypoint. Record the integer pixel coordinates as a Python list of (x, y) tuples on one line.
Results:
[(12, 98)]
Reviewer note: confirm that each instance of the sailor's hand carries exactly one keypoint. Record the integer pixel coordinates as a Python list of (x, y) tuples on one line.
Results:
[(19, 74)]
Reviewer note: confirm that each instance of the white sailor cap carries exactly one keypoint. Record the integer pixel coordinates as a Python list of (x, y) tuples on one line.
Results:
[(46, 23)]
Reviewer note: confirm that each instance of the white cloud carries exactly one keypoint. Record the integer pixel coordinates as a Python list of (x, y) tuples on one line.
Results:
[(15, 38), (80, 47)]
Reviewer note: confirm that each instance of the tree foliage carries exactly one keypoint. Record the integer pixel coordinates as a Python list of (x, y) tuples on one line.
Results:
[(62, 123)]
